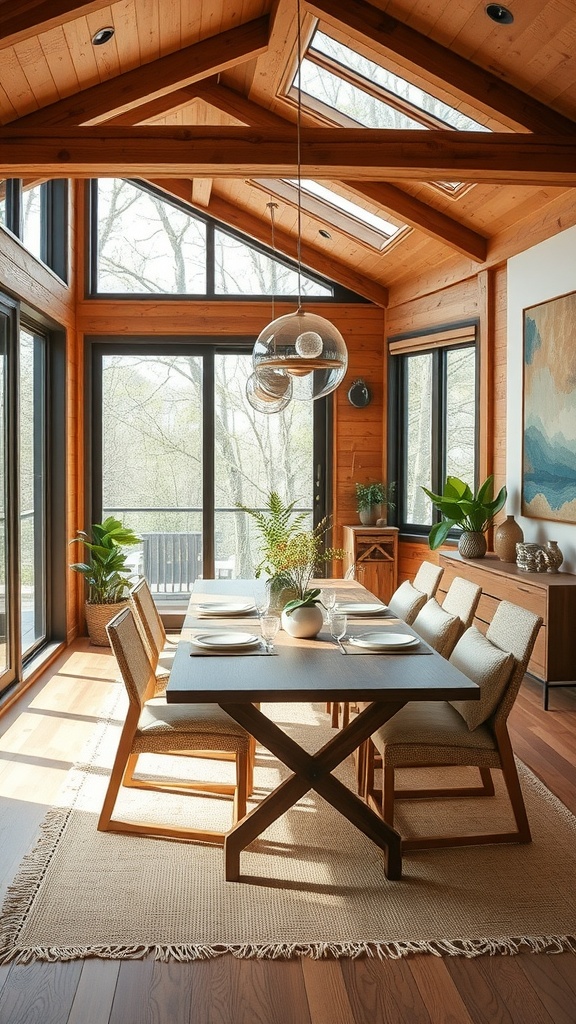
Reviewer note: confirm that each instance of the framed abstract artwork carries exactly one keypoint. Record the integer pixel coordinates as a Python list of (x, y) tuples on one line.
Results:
[(549, 427)]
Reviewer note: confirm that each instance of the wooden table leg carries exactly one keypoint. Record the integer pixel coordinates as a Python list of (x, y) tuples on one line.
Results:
[(312, 771)]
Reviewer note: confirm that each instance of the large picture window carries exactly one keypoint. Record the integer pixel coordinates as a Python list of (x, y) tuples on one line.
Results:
[(143, 242), (177, 446), (434, 406)]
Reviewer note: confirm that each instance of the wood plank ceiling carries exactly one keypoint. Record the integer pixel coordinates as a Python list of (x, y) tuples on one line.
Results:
[(193, 94)]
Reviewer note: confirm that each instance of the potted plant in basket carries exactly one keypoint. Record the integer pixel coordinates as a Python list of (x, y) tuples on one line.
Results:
[(105, 572), (473, 513), (372, 500)]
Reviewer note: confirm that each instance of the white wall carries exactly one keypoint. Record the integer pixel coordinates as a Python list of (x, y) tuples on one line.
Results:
[(543, 272)]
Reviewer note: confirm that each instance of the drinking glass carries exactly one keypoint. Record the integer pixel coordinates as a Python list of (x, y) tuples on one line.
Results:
[(338, 623), (269, 626), (328, 598), (262, 603)]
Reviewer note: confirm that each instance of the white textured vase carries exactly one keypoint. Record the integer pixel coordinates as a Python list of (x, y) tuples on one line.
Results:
[(305, 622)]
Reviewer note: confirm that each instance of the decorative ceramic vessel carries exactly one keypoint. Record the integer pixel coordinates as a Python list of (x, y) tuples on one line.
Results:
[(368, 516), (304, 622), (553, 556), (530, 557), (472, 544), (507, 536)]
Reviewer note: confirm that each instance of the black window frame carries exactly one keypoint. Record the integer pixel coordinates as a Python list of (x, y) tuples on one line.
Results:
[(54, 222), (96, 346), (339, 293), (398, 418)]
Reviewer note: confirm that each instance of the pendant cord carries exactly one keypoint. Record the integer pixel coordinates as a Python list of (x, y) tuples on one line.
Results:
[(272, 207), (298, 152)]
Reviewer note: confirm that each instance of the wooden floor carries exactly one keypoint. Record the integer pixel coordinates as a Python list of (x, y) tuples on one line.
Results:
[(41, 737)]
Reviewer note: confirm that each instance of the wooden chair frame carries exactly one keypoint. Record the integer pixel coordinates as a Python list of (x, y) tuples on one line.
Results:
[(138, 675)]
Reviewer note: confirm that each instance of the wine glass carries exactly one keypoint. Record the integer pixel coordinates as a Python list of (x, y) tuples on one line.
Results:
[(338, 622), (269, 626), (262, 603), (328, 598)]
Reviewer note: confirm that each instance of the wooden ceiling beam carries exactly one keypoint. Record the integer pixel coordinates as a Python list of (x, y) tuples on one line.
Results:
[(201, 191), (159, 107), (386, 34), (146, 83), (357, 154), (412, 211), (316, 260), (23, 19)]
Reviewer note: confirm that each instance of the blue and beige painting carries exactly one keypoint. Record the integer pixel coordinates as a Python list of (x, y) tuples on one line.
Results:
[(549, 458)]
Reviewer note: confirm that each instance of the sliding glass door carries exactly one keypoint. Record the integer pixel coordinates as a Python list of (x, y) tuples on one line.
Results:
[(177, 447)]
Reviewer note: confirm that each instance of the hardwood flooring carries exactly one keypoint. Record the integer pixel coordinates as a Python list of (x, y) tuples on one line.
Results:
[(44, 733)]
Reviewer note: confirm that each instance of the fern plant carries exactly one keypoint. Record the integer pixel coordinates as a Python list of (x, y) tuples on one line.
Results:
[(276, 526)]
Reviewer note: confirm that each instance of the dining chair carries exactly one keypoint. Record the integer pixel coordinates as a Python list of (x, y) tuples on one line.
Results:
[(178, 730), (161, 649), (410, 598), (442, 625), (462, 733)]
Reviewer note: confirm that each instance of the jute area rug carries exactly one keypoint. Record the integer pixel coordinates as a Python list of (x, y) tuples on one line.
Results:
[(312, 884)]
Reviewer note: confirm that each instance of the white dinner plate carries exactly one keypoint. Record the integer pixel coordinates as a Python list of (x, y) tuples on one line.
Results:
[(229, 608), (360, 608), (384, 641), (223, 640)]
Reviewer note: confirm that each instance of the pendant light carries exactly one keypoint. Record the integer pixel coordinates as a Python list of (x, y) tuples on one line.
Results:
[(269, 389), (305, 346)]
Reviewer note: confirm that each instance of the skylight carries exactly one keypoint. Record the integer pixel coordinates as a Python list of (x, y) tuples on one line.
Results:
[(411, 96), (330, 207), (348, 88)]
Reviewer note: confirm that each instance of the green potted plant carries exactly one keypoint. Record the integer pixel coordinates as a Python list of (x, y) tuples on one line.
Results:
[(372, 500), (300, 558), (105, 572), (473, 513), (276, 525)]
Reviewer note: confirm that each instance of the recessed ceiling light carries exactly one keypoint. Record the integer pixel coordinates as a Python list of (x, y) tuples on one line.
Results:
[(103, 35), (500, 14)]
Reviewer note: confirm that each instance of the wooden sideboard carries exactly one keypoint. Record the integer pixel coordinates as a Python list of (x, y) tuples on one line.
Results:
[(373, 551), (550, 595)]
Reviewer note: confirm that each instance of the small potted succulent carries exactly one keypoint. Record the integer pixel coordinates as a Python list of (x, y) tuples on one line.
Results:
[(372, 501)]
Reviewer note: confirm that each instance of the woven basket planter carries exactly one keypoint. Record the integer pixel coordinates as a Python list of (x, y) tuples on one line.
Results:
[(97, 618)]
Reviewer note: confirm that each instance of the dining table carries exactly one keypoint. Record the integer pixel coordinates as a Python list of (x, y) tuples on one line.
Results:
[(242, 678)]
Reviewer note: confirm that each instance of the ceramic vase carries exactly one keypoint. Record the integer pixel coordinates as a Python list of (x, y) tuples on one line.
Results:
[(507, 536), (304, 622), (368, 516), (472, 544), (554, 556)]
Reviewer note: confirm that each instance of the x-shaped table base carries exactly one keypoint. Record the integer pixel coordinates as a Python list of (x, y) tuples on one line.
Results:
[(312, 771)]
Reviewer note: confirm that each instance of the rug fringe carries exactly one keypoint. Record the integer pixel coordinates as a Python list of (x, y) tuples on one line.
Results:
[(285, 951)]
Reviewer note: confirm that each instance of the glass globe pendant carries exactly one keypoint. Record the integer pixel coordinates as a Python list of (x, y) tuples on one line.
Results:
[(269, 390), (308, 348)]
